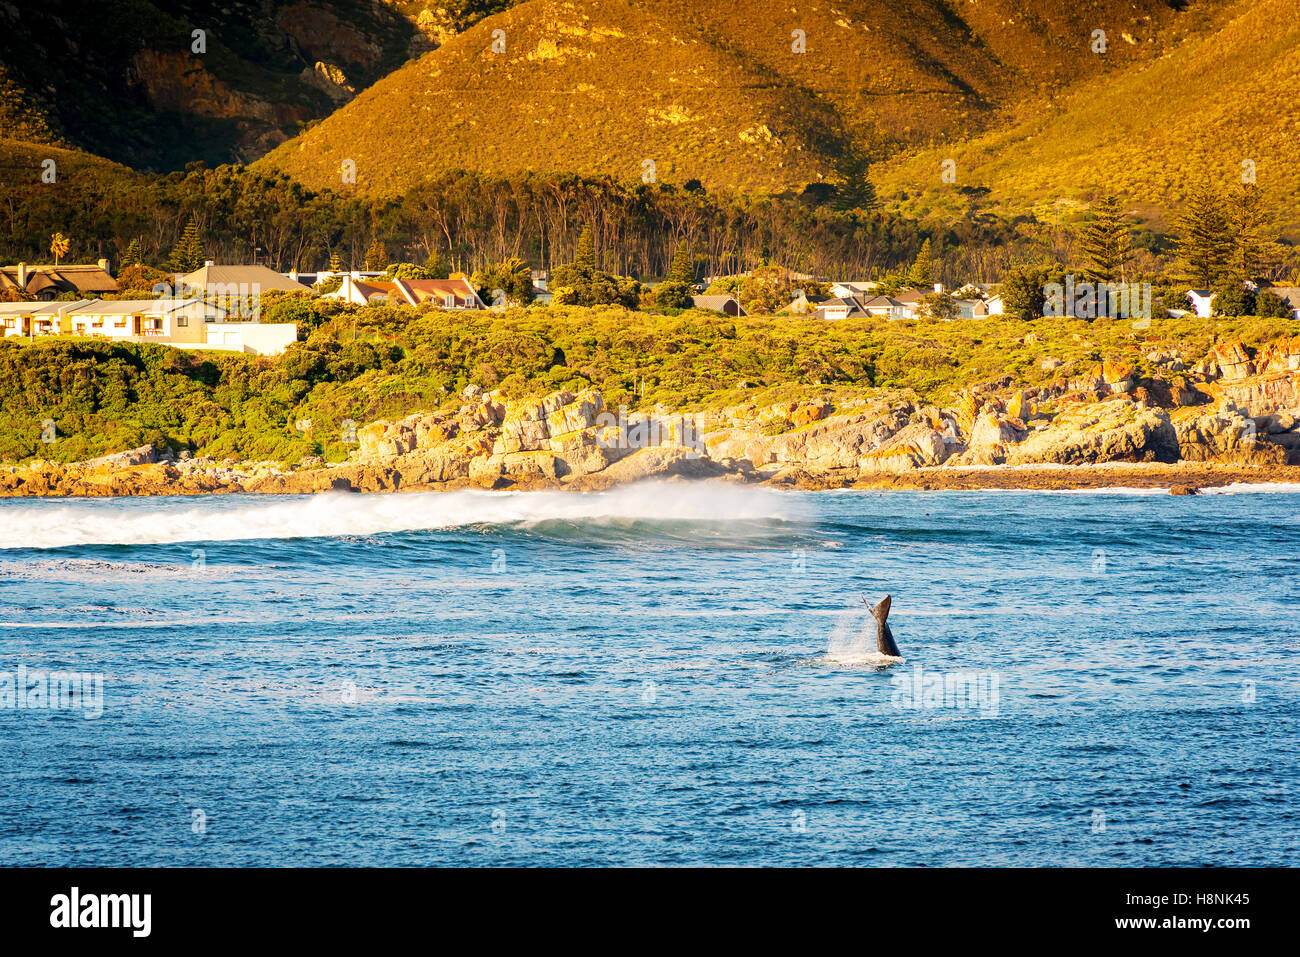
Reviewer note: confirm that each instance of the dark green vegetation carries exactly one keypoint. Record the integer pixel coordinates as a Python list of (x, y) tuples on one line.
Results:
[(467, 220), (385, 362), (121, 78)]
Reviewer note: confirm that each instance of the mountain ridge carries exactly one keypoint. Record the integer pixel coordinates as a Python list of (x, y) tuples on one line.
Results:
[(710, 92)]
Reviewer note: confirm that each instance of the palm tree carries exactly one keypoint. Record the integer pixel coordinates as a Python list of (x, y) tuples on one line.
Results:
[(59, 246)]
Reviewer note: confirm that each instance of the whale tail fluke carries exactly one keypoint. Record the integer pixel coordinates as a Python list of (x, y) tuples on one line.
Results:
[(884, 636)]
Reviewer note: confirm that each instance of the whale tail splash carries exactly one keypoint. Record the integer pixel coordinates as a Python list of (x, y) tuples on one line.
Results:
[(884, 637)]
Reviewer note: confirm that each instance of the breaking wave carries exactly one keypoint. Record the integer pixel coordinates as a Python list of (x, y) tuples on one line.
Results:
[(332, 515)]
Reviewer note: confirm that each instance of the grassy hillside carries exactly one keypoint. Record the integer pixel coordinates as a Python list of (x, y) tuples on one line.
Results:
[(713, 91), (1224, 94), (381, 362)]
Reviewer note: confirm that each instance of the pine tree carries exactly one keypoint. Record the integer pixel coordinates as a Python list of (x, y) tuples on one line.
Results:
[(1205, 238), (1106, 242), (922, 271), (675, 291), (335, 264), (188, 253), (584, 257), (376, 256), (683, 267), (857, 191), (580, 283), (1250, 257), (132, 257)]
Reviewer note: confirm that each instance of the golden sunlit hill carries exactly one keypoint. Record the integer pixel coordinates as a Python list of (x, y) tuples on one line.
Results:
[(1220, 104), (26, 168), (715, 91)]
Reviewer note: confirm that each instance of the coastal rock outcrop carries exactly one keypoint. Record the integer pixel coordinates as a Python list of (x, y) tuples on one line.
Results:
[(1117, 430), (1224, 436), (915, 446), (1235, 408)]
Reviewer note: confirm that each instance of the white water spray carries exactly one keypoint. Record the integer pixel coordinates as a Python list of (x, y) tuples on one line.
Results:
[(221, 518)]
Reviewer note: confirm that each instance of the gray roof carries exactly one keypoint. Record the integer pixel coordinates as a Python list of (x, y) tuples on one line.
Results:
[(853, 303), (875, 302), (130, 307), (265, 278), (716, 303), (1290, 293), (39, 308)]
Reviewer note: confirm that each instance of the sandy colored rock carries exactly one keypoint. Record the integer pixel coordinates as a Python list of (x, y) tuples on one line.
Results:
[(1113, 431), (916, 446)]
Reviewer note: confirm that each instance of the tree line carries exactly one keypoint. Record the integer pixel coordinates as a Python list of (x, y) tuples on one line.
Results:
[(464, 220), (473, 223)]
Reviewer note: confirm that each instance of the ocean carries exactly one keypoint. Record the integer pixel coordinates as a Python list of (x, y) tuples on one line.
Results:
[(672, 674)]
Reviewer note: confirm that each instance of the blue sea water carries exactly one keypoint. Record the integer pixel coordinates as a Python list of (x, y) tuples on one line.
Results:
[(659, 675)]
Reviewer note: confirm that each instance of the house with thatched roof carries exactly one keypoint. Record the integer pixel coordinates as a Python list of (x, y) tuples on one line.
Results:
[(49, 282)]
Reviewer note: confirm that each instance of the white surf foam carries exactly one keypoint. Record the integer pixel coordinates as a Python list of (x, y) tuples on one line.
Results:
[(143, 522), (853, 643), (1242, 488)]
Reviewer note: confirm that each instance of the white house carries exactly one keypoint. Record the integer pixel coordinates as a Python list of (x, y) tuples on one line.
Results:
[(862, 289), (259, 338), (32, 319), (729, 305), (454, 293), (885, 306), (181, 323), (1202, 302), (843, 307), (213, 281), (150, 320), (971, 308), (995, 305), (1291, 295)]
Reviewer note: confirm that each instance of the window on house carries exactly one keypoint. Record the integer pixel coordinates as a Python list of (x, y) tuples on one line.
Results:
[(182, 320)]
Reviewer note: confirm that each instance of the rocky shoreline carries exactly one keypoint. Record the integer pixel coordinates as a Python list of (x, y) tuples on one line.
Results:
[(1228, 417)]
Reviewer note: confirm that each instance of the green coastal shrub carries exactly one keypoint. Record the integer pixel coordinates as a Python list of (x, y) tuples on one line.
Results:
[(367, 363)]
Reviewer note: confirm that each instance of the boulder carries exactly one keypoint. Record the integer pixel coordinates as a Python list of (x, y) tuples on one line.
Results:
[(915, 446), (838, 442), (1232, 360), (1261, 394), (386, 440), (659, 462), (1020, 406), (580, 413), (805, 413), (1117, 430), (991, 435), (1119, 376), (581, 453), (1279, 357), (144, 455), (1226, 436)]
